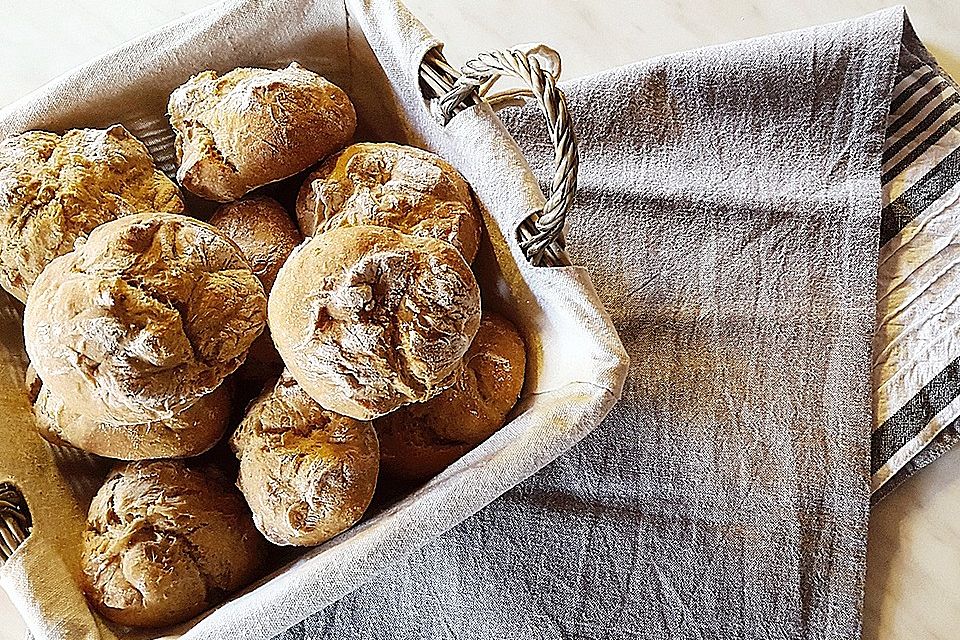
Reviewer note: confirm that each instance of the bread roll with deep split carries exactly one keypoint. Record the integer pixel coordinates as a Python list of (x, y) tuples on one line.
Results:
[(391, 185), (147, 316), (166, 541), (251, 127), (307, 473), (55, 189), (368, 319), (420, 440)]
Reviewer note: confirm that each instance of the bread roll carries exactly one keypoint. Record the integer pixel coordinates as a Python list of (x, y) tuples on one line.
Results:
[(263, 230), (419, 440), (189, 433), (390, 185), (251, 127), (166, 541), (368, 319), (145, 318), (306, 473), (266, 235), (55, 189)]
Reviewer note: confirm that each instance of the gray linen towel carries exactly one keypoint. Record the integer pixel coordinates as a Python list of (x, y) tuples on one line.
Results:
[(729, 213)]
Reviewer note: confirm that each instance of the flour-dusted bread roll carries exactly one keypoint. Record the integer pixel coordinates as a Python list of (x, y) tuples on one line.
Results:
[(390, 185), (55, 189), (189, 433), (165, 541), (368, 319), (263, 230), (250, 127), (419, 440), (150, 314), (307, 473), (266, 235)]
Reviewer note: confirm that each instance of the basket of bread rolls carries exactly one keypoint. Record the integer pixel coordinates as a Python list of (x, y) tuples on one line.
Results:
[(283, 302)]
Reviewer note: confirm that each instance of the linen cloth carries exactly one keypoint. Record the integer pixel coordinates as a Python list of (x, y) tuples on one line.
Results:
[(729, 211), (372, 49)]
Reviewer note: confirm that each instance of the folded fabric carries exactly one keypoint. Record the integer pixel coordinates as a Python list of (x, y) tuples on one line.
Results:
[(729, 211), (916, 370)]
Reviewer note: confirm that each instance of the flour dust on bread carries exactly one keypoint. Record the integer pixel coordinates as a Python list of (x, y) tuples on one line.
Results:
[(251, 127), (391, 185), (166, 541), (189, 433), (420, 440), (368, 319), (55, 189), (307, 473), (147, 316)]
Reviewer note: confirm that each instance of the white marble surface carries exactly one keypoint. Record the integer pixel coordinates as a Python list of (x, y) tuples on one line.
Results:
[(913, 581)]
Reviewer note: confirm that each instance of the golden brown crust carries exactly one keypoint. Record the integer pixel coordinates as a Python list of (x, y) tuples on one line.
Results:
[(146, 317), (419, 440), (391, 185), (250, 127), (55, 189), (189, 433), (264, 232), (368, 319), (307, 473), (166, 541), (266, 235)]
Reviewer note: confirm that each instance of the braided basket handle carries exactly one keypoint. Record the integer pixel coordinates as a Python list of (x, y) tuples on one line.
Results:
[(15, 521), (540, 235)]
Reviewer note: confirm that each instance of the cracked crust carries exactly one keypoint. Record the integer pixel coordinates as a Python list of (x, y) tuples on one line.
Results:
[(250, 127), (420, 440), (145, 318), (55, 189), (391, 185), (307, 473), (189, 433), (368, 319), (165, 541)]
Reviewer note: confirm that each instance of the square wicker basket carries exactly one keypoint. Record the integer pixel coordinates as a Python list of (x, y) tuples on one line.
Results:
[(404, 91)]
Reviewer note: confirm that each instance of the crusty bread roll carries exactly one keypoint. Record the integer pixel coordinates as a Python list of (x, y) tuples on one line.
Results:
[(368, 319), (419, 440), (55, 189), (307, 473), (250, 127), (266, 235), (189, 433), (390, 185), (263, 230), (165, 541), (150, 314)]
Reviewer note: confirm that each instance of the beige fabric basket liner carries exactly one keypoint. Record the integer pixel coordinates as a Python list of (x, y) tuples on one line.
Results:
[(372, 49)]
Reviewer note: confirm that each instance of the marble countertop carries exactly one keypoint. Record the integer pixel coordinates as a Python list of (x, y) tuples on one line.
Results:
[(913, 574)]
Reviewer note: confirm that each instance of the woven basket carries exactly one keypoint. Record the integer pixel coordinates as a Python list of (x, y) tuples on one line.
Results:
[(576, 362)]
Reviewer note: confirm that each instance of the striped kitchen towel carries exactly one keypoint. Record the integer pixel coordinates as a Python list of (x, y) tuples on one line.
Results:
[(916, 367)]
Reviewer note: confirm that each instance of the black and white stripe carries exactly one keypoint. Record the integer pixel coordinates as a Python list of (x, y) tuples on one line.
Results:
[(916, 372)]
